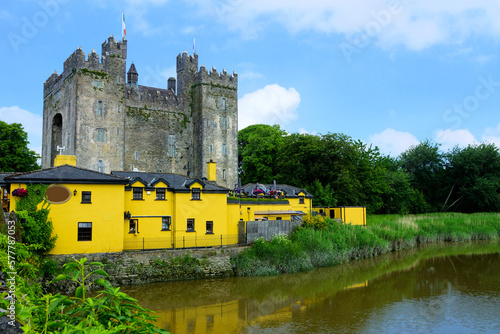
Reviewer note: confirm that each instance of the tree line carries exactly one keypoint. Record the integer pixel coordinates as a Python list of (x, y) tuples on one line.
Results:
[(341, 171)]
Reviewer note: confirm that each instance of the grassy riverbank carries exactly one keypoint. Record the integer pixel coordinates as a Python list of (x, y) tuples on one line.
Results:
[(323, 242)]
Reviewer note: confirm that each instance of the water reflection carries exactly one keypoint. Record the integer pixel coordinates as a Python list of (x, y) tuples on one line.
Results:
[(405, 292)]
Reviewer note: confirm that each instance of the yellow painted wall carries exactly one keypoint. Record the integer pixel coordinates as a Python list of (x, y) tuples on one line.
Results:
[(148, 212), (105, 213), (355, 215), (210, 207)]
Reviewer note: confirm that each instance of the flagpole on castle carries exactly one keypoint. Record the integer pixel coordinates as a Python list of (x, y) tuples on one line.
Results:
[(194, 46)]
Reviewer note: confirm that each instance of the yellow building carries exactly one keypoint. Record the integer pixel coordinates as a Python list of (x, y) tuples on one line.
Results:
[(355, 215), (86, 207), (175, 211), (95, 212)]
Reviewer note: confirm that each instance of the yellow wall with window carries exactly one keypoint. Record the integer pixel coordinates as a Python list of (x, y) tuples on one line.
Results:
[(144, 228), (104, 213), (355, 215)]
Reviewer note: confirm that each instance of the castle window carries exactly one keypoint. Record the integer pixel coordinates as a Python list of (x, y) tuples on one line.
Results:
[(84, 231), (190, 225), (99, 108), (210, 227), (100, 166), (210, 148), (136, 155), (224, 105), (224, 122), (160, 194), (224, 149), (101, 135), (137, 193), (86, 197), (195, 195), (224, 176), (171, 146), (165, 223), (97, 84)]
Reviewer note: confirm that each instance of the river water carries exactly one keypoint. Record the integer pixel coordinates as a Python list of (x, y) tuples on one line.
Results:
[(434, 289)]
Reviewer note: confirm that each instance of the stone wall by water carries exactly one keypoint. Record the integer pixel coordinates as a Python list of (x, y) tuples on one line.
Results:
[(132, 268)]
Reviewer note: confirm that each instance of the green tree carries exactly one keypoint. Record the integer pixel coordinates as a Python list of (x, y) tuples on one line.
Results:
[(258, 147), (473, 179), (425, 165), (14, 153)]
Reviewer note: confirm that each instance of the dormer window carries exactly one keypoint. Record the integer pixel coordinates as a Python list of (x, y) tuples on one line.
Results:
[(160, 194), (137, 193), (196, 194), (301, 199)]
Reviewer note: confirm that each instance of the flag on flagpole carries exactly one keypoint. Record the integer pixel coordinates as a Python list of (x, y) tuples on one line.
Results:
[(124, 31)]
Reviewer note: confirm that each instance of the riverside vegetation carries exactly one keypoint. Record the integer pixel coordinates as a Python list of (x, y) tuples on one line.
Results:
[(319, 242), (323, 242)]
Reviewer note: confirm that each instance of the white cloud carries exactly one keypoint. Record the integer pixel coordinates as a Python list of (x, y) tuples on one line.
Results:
[(492, 135), (450, 138), (303, 131), (414, 24), (32, 124), (272, 104), (393, 142)]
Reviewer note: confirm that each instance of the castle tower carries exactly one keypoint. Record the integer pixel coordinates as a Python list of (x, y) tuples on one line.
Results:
[(101, 114), (132, 76)]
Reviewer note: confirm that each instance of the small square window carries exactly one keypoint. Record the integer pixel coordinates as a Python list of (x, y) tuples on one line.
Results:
[(160, 193), (84, 231), (210, 227), (165, 223), (190, 225), (137, 193), (196, 194), (86, 197), (133, 226), (301, 199), (97, 84)]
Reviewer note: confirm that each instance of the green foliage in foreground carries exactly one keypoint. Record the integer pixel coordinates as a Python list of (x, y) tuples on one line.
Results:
[(111, 311), (322, 242)]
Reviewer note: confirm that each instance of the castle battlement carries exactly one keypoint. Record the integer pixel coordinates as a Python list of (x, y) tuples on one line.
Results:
[(203, 76), (79, 60)]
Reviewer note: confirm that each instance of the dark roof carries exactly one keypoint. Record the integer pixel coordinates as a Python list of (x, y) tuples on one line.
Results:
[(176, 182), (132, 69), (65, 174), (2, 176), (290, 191)]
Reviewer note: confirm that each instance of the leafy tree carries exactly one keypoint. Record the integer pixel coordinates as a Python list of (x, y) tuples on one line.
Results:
[(14, 153), (473, 179), (425, 165), (258, 147)]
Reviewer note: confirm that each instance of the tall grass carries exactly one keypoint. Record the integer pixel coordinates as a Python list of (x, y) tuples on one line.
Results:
[(322, 242)]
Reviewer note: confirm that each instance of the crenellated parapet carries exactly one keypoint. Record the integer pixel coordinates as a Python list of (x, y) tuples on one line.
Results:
[(213, 77), (78, 60)]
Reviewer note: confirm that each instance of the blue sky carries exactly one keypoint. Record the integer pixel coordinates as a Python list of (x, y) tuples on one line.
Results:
[(390, 73)]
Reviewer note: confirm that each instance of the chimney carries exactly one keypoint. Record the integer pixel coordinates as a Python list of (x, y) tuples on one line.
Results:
[(64, 160), (211, 171)]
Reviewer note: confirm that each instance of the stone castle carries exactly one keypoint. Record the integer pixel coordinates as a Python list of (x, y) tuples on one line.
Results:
[(98, 112)]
